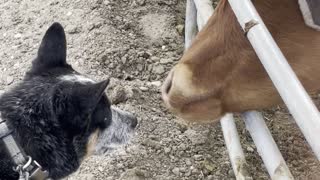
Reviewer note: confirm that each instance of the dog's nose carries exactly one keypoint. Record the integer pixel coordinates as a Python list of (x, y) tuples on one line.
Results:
[(131, 120), (134, 122), (125, 117)]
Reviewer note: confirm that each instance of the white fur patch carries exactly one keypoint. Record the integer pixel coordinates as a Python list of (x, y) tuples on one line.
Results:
[(307, 16), (76, 78)]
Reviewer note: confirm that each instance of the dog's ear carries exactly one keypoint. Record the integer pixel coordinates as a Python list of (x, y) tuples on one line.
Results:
[(73, 106), (89, 95), (53, 49)]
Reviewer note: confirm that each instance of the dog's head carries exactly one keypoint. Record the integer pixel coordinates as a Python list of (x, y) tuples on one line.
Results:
[(60, 116), (79, 104)]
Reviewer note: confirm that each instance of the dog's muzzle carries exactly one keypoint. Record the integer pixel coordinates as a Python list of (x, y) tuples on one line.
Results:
[(119, 132)]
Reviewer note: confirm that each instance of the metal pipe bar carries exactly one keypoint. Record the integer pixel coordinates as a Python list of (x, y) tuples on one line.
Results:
[(266, 146), (235, 151), (292, 92), (191, 29), (205, 10)]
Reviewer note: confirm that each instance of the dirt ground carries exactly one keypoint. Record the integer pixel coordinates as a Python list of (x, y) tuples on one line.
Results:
[(136, 42)]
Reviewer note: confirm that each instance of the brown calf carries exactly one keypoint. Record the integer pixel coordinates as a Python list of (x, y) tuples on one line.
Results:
[(221, 73)]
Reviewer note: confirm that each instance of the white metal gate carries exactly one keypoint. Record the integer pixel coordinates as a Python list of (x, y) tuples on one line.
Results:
[(286, 82)]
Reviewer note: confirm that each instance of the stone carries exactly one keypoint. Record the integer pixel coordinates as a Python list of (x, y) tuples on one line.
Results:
[(141, 2), (195, 137), (143, 88), (176, 171), (158, 69), (74, 30), (155, 58), (132, 174), (188, 162), (250, 149), (198, 157), (167, 150), (156, 83), (9, 80), (180, 29), (151, 143), (166, 61), (119, 95)]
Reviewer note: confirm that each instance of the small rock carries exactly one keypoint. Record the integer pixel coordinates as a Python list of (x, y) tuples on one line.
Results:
[(209, 166), (143, 54), (183, 147), (250, 149), (100, 168), (166, 61), (198, 157), (9, 80), (143, 88), (156, 83), (17, 36), (155, 58), (151, 143), (140, 67), (176, 171), (188, 162), (187, 174), (180, 29), (119, 95), (194, 170), (124, 59), (183, 170), (158, 69), (141, 2), (74, 30), (195, 137), (132, 174), (167, 150)]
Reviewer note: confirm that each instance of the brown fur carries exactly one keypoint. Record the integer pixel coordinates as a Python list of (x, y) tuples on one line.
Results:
[(92, 142), (221, 73)]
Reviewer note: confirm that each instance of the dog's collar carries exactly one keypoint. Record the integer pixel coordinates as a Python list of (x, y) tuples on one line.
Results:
[(25, 166)]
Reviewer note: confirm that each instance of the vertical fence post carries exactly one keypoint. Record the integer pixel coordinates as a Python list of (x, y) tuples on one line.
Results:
[(190, 24)]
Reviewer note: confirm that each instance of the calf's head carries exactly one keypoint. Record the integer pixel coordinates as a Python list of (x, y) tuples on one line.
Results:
[(221, 73)]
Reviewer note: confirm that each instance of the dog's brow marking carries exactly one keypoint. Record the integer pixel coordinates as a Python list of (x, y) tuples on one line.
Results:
[(76, 78)]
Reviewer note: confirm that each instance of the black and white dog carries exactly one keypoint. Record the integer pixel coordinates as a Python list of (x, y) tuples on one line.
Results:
[(59, 116)]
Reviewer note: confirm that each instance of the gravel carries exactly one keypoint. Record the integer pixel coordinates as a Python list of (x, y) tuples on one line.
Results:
[(136, 43)]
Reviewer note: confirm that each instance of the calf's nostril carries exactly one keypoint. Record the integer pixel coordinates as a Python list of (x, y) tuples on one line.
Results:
[(167, 83), (168, 87)]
